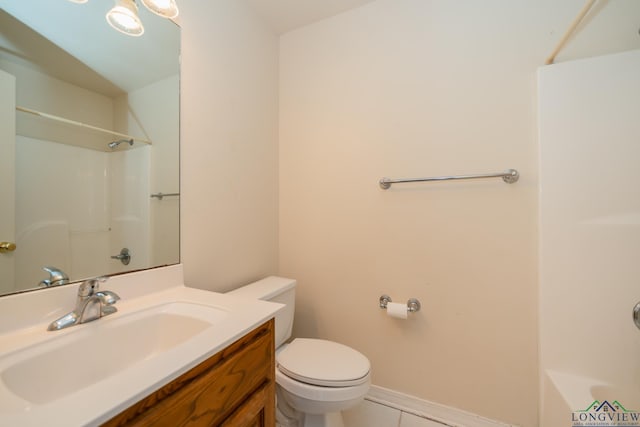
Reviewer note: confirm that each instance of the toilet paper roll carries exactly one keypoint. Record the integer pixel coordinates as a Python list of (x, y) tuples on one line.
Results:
[(397, 310)]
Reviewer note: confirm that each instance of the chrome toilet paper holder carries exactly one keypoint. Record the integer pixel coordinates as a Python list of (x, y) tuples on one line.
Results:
[(413, 304)]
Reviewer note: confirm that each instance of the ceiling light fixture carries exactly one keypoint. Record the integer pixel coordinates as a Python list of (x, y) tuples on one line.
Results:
[(124, 15), (165, 8), (124, 18)]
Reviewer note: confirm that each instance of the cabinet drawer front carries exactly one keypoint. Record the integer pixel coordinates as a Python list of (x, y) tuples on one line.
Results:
[(211, 391), (253, 412)]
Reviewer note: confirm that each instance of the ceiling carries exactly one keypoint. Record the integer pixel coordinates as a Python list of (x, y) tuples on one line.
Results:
[(63, 33), (59, 39), (287, 15)]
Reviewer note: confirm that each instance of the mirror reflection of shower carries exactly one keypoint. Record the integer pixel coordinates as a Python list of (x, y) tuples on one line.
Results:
[(114, 144)]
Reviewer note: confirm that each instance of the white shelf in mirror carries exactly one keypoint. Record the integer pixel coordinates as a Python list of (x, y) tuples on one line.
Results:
[(71, 132)]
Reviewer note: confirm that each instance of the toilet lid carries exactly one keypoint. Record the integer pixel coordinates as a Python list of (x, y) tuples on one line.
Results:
[(324, 363)]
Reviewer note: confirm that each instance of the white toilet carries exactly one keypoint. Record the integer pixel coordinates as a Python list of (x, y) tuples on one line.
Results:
[(315, 379)]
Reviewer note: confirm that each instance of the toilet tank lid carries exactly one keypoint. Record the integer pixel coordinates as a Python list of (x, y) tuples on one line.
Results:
[(265, 289)]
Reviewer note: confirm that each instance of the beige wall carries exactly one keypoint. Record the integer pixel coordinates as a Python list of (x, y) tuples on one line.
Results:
[(409, 88), (397, 88), (229, 161), (39, 91)]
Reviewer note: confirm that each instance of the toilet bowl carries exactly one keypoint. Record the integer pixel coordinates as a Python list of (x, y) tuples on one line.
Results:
[(315, 379), (318, 379)]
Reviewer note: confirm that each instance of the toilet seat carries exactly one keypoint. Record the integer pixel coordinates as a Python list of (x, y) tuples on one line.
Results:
[(317, 393), (323, 363)]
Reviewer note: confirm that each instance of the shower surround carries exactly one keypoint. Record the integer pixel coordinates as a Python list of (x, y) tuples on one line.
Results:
[(589, 234)]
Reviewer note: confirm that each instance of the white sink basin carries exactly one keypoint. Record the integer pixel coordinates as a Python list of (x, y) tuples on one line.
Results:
[(90, 353), (86, 374)]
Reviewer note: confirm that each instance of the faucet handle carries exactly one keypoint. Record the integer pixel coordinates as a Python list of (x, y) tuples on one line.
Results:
[(91, 286), (56, 277), (55, 274)]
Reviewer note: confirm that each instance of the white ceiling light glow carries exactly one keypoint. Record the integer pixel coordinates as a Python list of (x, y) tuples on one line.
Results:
[(124, 15), (124, 18), (164, 8)]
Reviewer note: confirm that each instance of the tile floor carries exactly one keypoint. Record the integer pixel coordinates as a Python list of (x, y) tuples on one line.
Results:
[(371, 414)]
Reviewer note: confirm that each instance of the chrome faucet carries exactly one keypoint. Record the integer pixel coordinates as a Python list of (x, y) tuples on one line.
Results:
[(91, 304), (57, 277)]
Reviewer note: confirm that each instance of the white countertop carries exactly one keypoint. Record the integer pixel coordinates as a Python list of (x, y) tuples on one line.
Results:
[(99, 401)]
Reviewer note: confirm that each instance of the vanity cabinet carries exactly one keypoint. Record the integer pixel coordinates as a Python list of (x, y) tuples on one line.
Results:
[(233, 388)]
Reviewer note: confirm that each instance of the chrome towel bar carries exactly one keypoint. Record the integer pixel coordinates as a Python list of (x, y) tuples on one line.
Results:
[(160, 196), (509, 176)]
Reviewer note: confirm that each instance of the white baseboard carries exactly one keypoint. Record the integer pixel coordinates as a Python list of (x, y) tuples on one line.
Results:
[(433, 411)]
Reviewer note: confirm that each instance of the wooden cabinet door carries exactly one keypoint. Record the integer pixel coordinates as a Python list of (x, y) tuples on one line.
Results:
[(233, 388), (257, 411)]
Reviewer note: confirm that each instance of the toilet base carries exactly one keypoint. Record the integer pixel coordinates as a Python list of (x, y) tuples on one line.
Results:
[(330, 419), (287, 416)]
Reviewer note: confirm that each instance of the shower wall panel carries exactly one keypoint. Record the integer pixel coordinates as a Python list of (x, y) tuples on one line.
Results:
[(590, 217)]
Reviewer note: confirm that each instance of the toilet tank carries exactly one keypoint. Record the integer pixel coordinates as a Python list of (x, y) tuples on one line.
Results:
[(274, 289)]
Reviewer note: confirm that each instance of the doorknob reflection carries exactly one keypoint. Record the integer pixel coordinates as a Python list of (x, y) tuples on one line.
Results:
[(7, 247)]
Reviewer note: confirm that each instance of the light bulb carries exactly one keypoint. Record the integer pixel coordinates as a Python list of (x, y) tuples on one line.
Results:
[(164, 8), (124, 18)]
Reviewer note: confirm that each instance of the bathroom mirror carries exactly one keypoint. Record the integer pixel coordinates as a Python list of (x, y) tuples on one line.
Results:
[(89, 144)]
